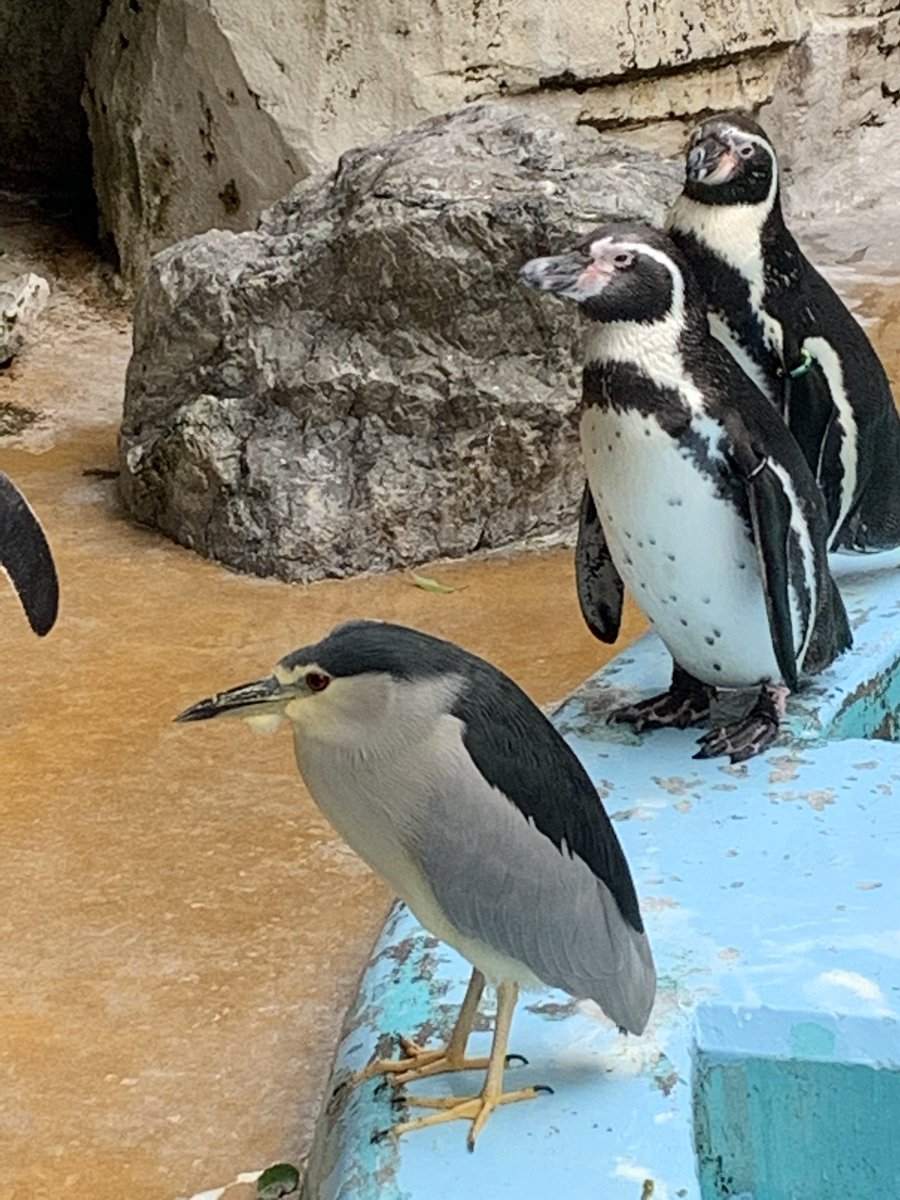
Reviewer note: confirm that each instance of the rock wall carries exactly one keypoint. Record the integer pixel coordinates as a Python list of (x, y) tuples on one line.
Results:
[(202, 112), (363, 383), (43, 131), (835, 113)]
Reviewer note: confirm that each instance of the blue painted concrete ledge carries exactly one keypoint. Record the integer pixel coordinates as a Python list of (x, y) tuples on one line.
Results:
[(771, 891)]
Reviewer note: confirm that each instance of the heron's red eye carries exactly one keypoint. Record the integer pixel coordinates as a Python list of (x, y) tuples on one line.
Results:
[(317, 682)]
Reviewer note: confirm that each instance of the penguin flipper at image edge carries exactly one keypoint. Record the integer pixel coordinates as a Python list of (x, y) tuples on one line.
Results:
[(25, 557), (599, 584)]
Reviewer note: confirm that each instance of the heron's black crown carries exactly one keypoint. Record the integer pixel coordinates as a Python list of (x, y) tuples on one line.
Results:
[(361, 647)]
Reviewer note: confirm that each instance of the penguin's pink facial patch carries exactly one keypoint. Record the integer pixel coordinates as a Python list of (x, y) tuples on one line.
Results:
[(724, 168), (594, 278)]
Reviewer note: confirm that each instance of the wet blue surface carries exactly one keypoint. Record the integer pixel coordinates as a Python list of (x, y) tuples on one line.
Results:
[(770, 893)]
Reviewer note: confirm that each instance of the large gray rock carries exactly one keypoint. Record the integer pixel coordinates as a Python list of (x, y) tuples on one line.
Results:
[(202, 112), (362, 383)]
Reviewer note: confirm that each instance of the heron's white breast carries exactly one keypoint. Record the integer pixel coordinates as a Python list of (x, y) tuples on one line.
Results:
[(377, 805)]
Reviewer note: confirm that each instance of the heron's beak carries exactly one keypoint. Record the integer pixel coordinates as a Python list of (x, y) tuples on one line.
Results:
[(264, 698), (711, 162)]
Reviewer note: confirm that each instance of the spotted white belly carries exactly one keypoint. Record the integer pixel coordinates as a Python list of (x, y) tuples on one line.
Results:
[(684, 553)]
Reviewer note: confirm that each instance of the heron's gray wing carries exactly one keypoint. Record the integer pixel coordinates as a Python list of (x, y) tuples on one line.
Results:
[(501, 880), (26, 558), (600, 587)]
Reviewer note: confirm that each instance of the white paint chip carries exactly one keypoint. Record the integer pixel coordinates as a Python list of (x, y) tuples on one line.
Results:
[(639, 1175), (217, 1193)]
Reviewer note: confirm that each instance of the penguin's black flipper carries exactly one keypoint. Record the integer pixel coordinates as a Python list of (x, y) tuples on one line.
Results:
[(830, 473), (770, 515), (600, 587), (812, 419), (26, 558)]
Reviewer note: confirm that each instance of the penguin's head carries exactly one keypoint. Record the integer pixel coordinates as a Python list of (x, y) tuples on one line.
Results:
[(621, 272), (730, 160)]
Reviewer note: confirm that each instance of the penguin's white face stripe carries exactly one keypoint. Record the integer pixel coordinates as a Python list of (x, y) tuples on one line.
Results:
[(654, 345), (824, 354), (600, 248)]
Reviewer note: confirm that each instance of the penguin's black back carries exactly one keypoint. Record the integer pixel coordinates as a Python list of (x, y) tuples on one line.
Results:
[(754, 426), (806, 305)]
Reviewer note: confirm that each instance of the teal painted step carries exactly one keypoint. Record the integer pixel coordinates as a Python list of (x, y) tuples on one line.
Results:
[(771, 893)]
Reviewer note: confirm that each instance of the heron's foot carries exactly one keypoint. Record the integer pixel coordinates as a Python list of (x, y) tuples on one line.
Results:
[(753, 733), (685, 703), (476, 1109), (418, 1063)]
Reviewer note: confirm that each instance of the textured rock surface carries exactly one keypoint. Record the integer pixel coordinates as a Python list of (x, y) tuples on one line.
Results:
[(204, 111), (43, 132), (363, 383), (22, 300), (835, 113), (181, 140)]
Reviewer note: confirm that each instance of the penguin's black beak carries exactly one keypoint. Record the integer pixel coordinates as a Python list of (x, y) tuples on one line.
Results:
[(559, 273), (711, 161)]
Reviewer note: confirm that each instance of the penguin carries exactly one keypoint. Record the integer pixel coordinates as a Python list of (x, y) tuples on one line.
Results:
[(789, 330), (700, 500), (25, 557)]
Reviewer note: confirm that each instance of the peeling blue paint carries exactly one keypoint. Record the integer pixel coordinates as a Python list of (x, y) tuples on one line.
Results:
[(771, 893)]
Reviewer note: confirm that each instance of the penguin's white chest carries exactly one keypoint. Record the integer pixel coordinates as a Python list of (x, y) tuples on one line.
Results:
[(684, 552)]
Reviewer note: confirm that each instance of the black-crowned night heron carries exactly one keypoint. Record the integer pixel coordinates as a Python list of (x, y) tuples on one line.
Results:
[(26, 558), (442, 774)]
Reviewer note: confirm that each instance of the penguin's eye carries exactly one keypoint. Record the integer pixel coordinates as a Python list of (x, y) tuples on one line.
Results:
[(624, 258), (316, 681), (746, 151)]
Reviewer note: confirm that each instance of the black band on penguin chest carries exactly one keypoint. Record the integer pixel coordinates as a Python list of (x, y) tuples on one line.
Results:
[(728, 295), (623, 387)]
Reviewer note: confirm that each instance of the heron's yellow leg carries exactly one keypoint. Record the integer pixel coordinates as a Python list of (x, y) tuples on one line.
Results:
[(417, 1062), (477, 1109)]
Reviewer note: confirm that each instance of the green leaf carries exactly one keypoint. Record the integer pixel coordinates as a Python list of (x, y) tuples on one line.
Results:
[(432, 585), (277, 1181)]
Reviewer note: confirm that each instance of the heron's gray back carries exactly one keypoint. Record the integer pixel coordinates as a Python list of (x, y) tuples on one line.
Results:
[(501, 881)]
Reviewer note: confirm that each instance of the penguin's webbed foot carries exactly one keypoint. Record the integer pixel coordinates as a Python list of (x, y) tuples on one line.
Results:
[(685, 703), (753, 733)]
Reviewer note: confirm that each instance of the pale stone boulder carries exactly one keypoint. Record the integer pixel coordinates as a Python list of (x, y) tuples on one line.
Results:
[(22, 300), (363, 383), (204, 111)]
